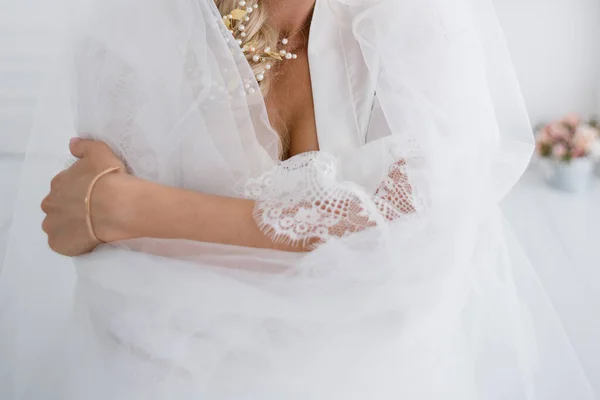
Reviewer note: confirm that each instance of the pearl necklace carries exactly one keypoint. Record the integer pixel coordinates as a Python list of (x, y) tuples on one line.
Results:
[(234, 21)]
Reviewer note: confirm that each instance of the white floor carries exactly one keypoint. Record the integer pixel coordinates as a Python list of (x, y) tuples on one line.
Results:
[(560, 233)]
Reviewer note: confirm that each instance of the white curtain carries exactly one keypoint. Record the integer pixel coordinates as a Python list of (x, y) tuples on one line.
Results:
[(27, 28)]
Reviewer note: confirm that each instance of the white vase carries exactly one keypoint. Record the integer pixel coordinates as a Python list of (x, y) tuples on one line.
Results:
[(574, 176)]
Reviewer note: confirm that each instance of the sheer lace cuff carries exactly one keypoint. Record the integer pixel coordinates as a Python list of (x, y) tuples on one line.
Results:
[(302, 200)]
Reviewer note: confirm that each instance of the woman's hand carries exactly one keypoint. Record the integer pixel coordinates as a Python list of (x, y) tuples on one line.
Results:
[(126, 207), (65, 221)]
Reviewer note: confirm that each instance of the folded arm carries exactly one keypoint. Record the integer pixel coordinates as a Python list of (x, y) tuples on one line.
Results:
[(125, 207), (137, 208)]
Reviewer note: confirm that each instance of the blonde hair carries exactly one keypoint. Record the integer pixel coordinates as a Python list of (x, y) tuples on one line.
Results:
[(258, 33)]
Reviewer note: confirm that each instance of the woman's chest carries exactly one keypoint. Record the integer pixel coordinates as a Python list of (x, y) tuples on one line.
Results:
[(324, 99), (291, 109)]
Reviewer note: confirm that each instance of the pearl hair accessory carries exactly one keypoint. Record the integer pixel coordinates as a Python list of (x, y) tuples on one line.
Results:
[(235, 22)]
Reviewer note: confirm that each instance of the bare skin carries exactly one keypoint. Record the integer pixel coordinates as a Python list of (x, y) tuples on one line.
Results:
[(290, 102), (126, 207)]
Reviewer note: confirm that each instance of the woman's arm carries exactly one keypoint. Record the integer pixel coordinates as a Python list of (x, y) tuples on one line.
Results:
[(125, 207)]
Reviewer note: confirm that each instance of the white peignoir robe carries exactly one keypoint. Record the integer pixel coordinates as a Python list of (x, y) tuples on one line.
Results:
[(416, 290)]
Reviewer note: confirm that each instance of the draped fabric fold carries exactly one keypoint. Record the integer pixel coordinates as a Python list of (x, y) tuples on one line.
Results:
[(414, 288)]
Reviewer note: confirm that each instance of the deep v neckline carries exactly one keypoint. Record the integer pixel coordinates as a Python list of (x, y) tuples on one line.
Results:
[(291, 109), (342, 87), (311, 31)]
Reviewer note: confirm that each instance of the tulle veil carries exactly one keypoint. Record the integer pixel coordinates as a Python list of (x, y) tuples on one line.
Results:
[(425, 296)]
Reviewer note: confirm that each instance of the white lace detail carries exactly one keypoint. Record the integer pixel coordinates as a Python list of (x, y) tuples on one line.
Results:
[(302, 200)]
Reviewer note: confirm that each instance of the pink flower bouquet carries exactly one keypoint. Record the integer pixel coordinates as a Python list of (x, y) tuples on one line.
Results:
[(569, 139)]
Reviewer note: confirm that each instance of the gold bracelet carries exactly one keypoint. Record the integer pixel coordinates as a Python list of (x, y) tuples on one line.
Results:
[(88, 202)]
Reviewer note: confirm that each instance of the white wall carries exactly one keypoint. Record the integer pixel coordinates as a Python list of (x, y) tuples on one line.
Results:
[(555, 46)]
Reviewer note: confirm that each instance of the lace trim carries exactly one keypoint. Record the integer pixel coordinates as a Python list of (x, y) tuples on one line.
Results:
[(301, 201)]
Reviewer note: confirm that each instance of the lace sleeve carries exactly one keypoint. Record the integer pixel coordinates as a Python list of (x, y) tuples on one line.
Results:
[(303, 201)]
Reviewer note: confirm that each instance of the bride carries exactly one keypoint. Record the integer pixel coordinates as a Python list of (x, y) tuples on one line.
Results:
[(275, 199)]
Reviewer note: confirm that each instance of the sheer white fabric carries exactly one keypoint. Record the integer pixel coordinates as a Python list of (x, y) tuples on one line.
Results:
[(415, 288), (303, 201)]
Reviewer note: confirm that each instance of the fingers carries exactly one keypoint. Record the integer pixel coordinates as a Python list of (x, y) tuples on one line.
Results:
[(45, 205), (55, 182), (52, 242), (80, 147), (101, 152), (46, 225)]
